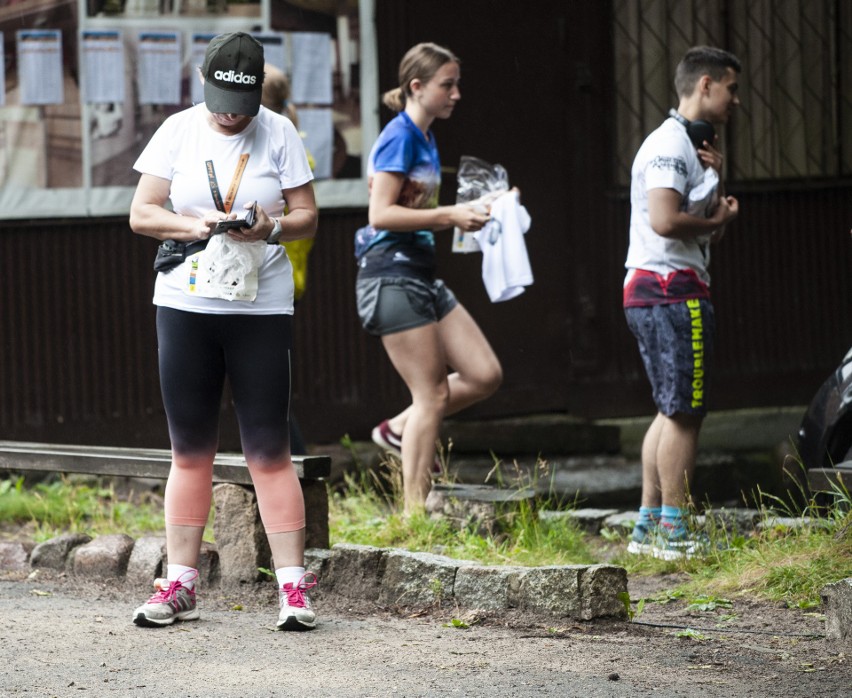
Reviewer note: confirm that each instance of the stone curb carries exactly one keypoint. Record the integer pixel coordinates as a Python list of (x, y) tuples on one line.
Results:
[(837, 599), (402, 579), (422, 580), (390, 577)]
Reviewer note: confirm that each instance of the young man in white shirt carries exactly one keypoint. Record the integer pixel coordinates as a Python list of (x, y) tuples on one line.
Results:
[(678, 207)]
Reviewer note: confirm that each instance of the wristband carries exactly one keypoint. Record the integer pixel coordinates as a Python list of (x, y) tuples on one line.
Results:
[(275, 234)]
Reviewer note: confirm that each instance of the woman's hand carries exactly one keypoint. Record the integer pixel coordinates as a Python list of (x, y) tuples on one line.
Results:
[(205, 225), (299, 223), (261, 229), (149, 216)]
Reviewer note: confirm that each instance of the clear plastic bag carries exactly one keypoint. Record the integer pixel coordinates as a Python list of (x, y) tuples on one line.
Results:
[(477, 179), (479, 183)]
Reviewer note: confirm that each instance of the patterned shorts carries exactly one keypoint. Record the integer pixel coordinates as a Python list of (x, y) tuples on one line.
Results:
[(676, 344)]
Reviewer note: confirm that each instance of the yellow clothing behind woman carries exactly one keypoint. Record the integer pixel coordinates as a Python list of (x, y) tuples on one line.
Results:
[(298, 251)]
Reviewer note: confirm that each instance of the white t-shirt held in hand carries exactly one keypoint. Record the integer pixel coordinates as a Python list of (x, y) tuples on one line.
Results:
[(506, 267)]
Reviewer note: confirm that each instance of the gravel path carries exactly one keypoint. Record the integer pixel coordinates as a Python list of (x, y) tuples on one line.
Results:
[(60, 638)]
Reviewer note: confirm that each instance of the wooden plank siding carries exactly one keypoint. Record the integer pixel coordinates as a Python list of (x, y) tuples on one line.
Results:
[(77, 339)]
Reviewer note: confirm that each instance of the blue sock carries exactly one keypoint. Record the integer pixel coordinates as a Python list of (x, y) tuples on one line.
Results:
[(674, 518), (649, 516)]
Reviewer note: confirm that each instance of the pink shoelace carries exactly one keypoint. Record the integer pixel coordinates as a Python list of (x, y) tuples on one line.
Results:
[(296, 593), (166, 590)]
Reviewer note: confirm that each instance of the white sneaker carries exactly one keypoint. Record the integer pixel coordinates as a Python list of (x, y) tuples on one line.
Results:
[(389, 440), (173, 601), (296, 612), (385, 437)]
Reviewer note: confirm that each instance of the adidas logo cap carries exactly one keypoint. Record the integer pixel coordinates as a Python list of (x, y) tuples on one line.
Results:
[(233, 74)]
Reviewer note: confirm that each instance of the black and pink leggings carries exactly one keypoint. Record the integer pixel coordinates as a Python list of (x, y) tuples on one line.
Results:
[(196, 352)]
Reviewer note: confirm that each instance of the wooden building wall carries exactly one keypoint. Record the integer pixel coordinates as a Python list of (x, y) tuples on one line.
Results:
[(78, 360)]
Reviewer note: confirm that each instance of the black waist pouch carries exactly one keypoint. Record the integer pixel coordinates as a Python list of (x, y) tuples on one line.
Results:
[(171, 253)]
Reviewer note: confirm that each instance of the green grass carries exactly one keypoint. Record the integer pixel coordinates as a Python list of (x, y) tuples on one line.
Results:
[(777, 564), (367, 510), (363, 517), (73, 504), (791, 567)]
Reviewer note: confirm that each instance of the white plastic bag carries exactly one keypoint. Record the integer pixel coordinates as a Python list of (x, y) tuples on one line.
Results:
[(227, 269)]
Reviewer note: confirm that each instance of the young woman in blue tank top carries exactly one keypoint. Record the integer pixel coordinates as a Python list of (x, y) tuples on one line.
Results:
[(424, 329)]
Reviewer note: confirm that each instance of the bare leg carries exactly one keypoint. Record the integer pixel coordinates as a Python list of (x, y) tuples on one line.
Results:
[(676, 452), (183, 544), (419, 358), (651, 495), (477, 372), (187, 505), (288, 548), (280, 503)]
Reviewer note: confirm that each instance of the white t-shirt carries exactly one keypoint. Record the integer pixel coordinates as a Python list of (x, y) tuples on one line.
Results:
[(179, 150), (505, 263), (668, 160)]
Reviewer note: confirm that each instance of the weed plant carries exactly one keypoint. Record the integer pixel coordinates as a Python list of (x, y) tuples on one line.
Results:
[(783, 563)]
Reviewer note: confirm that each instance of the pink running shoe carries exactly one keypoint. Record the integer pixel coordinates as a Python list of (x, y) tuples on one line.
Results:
[(173, 601), (389, 440), (296, 612)]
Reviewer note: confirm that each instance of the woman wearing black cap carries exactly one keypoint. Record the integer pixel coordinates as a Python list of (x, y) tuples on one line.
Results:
[(224, 308)]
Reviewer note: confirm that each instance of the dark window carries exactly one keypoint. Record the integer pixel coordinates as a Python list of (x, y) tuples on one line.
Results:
[(795, 89)]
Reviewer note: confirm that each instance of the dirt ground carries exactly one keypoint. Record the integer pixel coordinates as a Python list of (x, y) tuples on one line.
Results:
[(61, 637)]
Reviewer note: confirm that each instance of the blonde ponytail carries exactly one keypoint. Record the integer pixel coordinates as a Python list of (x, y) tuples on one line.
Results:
[(394, 99)]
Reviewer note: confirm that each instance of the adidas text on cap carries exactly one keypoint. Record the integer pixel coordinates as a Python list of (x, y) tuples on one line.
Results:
[(233, 74)]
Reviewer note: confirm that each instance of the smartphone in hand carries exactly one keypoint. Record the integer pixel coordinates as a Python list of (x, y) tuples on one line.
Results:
[(247, 221)]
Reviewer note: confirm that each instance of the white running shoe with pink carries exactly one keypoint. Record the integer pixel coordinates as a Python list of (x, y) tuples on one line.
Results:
[(295, 605), (173, 601)]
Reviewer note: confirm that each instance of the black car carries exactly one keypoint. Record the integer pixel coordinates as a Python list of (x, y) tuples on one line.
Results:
[(825, 434)]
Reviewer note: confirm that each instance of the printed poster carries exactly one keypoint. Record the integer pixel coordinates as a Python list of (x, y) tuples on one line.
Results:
[(311, 68), (274, 49), (40, 66), (2, 78), (158, 69), (103, 66), (317, 129), (197, 49)]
